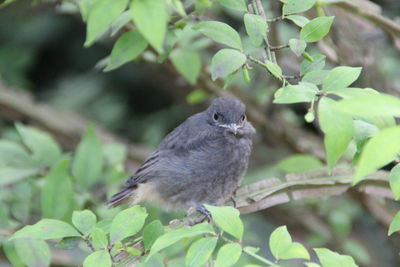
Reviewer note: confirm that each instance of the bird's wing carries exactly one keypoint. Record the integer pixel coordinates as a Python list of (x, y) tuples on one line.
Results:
[(186, 138)]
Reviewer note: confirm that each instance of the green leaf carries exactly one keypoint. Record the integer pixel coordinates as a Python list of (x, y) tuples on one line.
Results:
[(297, 46), (394, 180), (13, 154), (256, 28), (45, 150), (225, 62), (340, 77), (317, 64), (151, 232), (120, 22), (33, 252), (127, 48), (100, 258), (227, 219), (299, 163), (316, 77), (84, 7), (329, 258), (360, 106), (174, 236), (88, 160), (282, 247), (46, 229), (228, 255), (296, 6), (12, 175), (274, 68), (302, 92), (127, 223), (84, 220), (298, 20), (99, 238), (316, 29), (378, 151), (200, 251), (187, 62), (57, 193), (11, 253), (220, 32), (234, 4), (196, 96), (338, 129), (100, 17), (114, 154), (358, 251), (68, 242), (395, 224), (151, 18)]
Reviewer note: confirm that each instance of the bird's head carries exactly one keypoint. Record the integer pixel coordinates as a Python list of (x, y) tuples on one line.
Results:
[(228, 114)]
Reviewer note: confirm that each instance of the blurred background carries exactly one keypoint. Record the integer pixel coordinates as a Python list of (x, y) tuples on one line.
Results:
[(49, 80)]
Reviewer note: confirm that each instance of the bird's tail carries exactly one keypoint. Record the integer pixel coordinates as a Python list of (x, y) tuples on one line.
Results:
[(122, 197)]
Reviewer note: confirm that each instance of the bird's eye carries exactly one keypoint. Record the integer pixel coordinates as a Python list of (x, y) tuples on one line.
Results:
[(243, 117), (216, 116)]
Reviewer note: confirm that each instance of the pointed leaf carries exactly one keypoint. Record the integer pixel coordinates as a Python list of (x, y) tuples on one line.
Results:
[(45, 150), (151, 232), (187, 62), (200, 251), (340, 77), (100, 258), (338, 129), (46, 229), (100, 17), (88, 160), (298, 20), (256, 28), (174, 236), (127, 48), (220, 32), (316, 77), (378, 151), (84, 220), (225, 62), (296, 6), (316, 29), (151, 18), (227, 219), (33, 252), (57, 192), (127, 223), (228, 255), (274, 68), (302, 92), (99, 238), (329, 258)]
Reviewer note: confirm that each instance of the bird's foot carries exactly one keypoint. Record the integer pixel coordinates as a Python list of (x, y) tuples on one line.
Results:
[(233, 201), (205, 212)]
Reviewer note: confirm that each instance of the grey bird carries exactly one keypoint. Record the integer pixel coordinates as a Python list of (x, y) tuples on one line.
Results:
[(202, 161)]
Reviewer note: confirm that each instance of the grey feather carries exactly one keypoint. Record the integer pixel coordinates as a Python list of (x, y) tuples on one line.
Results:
[(202, 161)]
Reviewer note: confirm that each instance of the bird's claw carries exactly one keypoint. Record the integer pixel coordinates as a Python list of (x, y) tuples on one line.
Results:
[(205, 212)]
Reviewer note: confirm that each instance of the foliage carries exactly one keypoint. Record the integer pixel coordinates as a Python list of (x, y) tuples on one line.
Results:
[(358, 123)]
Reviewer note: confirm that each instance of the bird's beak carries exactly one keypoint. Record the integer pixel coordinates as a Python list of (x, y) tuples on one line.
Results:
[(233, 127)]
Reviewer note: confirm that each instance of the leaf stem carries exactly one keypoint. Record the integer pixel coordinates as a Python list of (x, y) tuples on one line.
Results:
[(258, 257)]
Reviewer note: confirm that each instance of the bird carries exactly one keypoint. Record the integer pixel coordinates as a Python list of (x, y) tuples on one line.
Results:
[(202, 161)]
